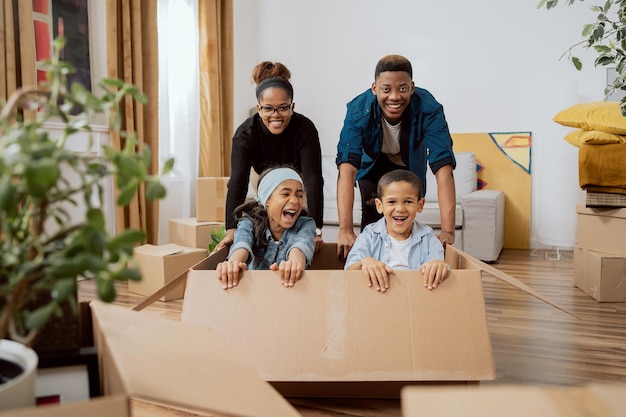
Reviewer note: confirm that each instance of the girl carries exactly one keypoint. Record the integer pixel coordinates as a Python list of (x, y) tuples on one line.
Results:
[(271, 233)]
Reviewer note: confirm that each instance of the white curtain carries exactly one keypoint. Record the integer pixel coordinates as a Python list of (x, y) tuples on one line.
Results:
[(179, 98), (557, 215)]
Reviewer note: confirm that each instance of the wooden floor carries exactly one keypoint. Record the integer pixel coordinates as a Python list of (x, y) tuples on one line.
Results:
[(533, 342)]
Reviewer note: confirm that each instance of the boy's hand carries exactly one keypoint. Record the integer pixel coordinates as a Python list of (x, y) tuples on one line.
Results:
[(376, 273), (434, 273), (290, 272), (228, 273)]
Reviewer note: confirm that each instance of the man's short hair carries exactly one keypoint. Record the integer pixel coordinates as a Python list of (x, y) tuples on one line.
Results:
[(393, 63)]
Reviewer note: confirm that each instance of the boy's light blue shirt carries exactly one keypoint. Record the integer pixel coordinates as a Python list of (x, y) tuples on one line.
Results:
[(374, 242), (301, 236)]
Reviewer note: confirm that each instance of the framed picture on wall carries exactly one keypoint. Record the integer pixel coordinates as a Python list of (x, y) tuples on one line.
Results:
[(70, 19)]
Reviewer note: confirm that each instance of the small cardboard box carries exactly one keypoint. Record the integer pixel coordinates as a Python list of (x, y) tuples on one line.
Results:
[(601, 275), (602, 229), (191, 232), (211, 198), (333, 336), (180, 367), (160, 264), (515, 401)]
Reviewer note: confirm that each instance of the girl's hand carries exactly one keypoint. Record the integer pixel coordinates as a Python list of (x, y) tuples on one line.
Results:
[(290, 272), (434, 273), (228, 273), (376, 273)]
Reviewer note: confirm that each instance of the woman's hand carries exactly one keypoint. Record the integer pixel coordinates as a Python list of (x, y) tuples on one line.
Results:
[(434, 273), (290, 272), (228, 240), (228, 272)]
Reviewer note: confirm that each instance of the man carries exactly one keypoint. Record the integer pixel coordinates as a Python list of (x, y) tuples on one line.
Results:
[(392, 126)]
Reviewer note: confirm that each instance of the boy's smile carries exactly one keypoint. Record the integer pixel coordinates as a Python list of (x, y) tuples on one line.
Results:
[(399, 205)]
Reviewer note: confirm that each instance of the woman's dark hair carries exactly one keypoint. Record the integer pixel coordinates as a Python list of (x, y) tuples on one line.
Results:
[(257, 214), (272, 74), (399, 175)]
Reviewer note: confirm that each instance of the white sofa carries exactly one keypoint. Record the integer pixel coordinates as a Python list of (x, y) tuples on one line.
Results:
[(479, 213)]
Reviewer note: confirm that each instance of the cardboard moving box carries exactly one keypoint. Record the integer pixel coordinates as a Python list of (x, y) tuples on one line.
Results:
[(211, 198), (160, 264), (182, 367), (601, 275), (601, 229), (595, 400), (192, 233), (331, 335)]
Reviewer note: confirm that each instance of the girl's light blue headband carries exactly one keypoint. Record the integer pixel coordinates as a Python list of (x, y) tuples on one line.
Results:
[(272, 179)]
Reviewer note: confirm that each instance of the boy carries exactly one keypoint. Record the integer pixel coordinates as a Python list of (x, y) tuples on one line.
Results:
[(398, 241), (393, 125)]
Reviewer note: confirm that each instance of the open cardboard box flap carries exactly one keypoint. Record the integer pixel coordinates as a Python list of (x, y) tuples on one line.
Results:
[(332, 328), (515, 400), (159, 360)]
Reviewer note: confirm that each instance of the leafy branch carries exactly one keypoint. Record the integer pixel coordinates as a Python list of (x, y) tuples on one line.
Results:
[(607, 36)]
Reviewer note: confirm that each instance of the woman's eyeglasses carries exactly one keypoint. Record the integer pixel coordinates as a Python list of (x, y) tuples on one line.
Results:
[(268, 111)]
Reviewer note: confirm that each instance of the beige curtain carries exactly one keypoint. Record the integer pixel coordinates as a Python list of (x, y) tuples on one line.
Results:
[(17, 47), (215, 22), (132, 56)]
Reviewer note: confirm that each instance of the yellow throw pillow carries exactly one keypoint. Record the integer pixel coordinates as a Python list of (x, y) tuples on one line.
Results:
[(601, 116), (592, 137)]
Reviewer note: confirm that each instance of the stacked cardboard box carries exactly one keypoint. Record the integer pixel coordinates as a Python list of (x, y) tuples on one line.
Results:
[(600, 254), (160, 264), (192, 233), (211, 198)]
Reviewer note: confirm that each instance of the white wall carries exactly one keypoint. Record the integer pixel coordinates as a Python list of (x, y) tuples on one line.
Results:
[(493, 65)]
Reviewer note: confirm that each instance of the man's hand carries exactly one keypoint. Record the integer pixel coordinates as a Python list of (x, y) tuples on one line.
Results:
[(345, 241), (446, 238)]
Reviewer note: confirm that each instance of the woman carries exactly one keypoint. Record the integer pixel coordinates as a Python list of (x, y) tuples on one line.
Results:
[(275, 135)]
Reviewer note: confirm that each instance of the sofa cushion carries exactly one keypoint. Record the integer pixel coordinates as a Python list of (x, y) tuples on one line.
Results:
[(430, 215), (465, 177)]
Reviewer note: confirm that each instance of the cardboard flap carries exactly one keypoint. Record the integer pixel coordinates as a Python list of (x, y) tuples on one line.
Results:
[(332, 327), (155, 359), (515, 401), (166, 250)]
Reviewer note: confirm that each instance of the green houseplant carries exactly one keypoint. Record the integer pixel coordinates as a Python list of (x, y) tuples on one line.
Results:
[(607, 36), (43, 247)]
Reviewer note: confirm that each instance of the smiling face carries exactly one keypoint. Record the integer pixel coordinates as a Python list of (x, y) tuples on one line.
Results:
[(276, 98), (393, 91), (399, 205), (284, 206)]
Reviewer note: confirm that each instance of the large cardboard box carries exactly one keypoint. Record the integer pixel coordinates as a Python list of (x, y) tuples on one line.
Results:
[(192, 233), (333, 336), (181, 367), (211, 198), (601, 275), (602, 229), (160, 264), (516, 401)]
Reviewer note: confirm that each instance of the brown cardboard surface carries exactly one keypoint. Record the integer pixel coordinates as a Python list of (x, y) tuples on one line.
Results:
[(192, 233), (601, 275), (331, 328), (211, 198), (602, 229), (160, 264), (515, 400), (158, 360), (114, 406)]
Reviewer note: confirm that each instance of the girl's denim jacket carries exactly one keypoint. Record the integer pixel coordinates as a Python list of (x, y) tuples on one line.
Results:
[(301, 236), (374, 243)]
